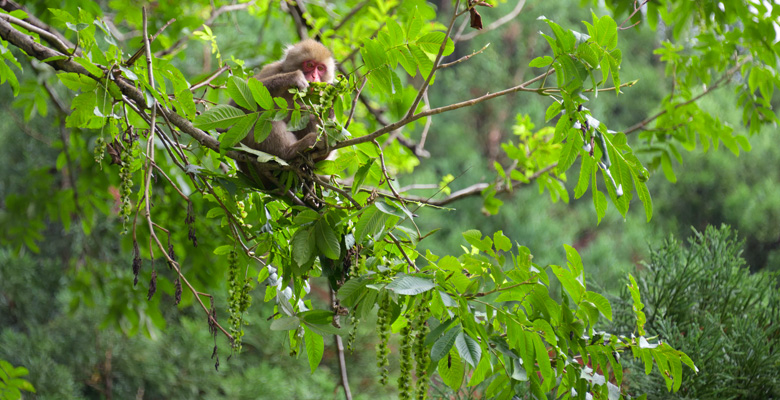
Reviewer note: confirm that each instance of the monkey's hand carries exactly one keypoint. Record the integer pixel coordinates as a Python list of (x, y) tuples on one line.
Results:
[(299, 81)]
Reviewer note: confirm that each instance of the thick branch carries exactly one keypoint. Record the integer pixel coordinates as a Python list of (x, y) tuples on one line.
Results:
[(127, 87), (53, 37)]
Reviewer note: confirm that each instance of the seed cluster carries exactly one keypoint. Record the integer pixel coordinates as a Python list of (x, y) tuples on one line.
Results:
[(238, 299), (405, 379), (421, 354), (126, 187), (382, 348)]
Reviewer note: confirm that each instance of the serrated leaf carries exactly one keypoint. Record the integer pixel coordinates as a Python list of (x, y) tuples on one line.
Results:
[(285, 324), (74, 81), (239, 91), (327, 241), (542, 358), (238, 132), (351, 291), (410, 285), (315, 347), (303, 245), (451, 371), (431, 43), (601, 303), (586, 168), (370, 223), (569, 153), (569, 282), (262, 129), (317, 317), (443, 345), (260, 94), (220, 116), (540, 62), (468, 349)]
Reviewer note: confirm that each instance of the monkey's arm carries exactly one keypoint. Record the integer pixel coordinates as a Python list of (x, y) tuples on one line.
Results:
[(278, 84)]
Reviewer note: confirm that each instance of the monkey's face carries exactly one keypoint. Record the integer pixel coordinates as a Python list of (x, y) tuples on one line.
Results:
[(314, 71)]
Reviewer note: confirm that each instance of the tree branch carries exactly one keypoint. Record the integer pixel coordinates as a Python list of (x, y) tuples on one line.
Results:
[(406, 120)]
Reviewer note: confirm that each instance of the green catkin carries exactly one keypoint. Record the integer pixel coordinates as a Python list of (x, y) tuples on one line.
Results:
[(352, 332), (382, 348), (421, 354), (405, 379), (235, 300), (126, 187), (100, 150)]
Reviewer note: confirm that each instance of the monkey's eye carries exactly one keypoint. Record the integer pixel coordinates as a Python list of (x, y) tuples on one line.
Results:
[(321, 68), (308, 65)]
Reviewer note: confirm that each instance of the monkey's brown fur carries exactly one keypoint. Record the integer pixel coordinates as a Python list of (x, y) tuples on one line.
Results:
[(278, 77)]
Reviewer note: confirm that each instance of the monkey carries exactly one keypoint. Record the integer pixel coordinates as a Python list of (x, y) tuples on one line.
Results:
[(304, 62)]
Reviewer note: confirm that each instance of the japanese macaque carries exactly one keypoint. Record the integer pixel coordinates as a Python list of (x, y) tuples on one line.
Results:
[(304, 62)]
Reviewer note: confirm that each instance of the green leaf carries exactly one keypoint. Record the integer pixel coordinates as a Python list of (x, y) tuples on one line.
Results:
[(569, 153), (220, 116), (261, 94), (74, 81), (586, 168), (262, 129), (502, 242), (410, 285), (444, 344), (601, 303), (666, 166), (351, 291), (644, 196), (315, 348), (317, 317), (542, 359), (239, 131), (431, 43), (327, 241), (569, 282), (370, 223), (239, 91), (285, 324), (303, 245), (474, 237), (484, 369), (468, 349), (540, 62), (451, 370), (575, 262)]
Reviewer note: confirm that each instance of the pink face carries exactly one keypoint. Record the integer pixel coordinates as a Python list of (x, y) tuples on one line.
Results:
[(314, 71)]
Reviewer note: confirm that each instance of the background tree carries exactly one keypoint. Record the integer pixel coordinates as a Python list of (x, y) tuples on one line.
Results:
[(322, 232)]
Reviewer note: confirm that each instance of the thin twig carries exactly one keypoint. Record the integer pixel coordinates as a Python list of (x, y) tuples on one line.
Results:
[(208, 22), (141, 51), (354, 102), (436, 63), (464, 58), (523, 87), (636, 10), (340, 351), (351, 14), (497, 23), (209, 78), (725, 78)]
